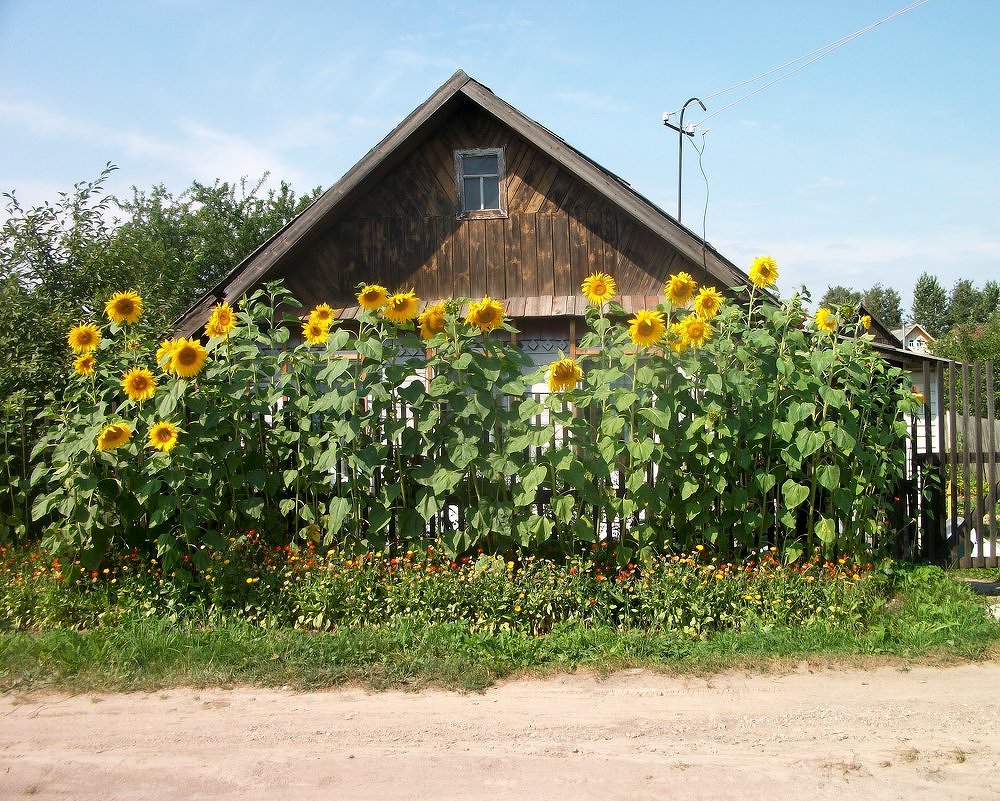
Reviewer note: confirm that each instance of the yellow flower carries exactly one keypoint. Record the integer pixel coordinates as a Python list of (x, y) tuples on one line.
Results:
[(187, 357), (139, 384), (221, 321), (918, 396), (84, 365), (315, 333), (322, 314), (163, 436), (401, 307), (485, 314), (373, 297), (114, 436), (680, 289), (599, 288), (164, 352), (695, 331), (432, 321), (866, 322), (708, 303), (124, 307), (763, 272), (563, 375), (647, 328), (83, 338), (677, 344), (826, 320)]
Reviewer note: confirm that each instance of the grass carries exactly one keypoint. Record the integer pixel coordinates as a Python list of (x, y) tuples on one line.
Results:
[(931, 618)]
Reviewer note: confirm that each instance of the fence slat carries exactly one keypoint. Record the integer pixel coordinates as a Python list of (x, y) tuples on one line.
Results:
[(966, 518), (991, 494), (976, 491)]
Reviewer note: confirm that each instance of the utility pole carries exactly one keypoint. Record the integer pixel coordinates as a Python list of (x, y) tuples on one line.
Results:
[(681, 133)]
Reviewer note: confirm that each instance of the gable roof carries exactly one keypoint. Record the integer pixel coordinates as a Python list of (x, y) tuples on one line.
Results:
[(268, 259)]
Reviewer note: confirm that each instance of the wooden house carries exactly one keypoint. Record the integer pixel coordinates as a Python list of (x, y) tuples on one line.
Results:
[(469, 197)]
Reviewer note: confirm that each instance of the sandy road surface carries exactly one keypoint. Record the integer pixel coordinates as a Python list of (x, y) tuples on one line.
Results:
[(926, 733)]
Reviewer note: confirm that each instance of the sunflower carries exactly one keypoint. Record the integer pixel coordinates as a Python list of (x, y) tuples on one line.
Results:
[(647, 328), (680, 288), (918, 396), (139, 384), (708, 303), (401, 307), (763, 272), (315, 333), (114, 436), (84, 365), (677, 343), (322, 314), (695, 332), (599, 288), (826, 320), (432, 321), (187, 357), (221, 322), (83, 338), (563, 375), (485, 314), (163, 436), (124, 307), (373, 297), (866, 322), (164, 352)]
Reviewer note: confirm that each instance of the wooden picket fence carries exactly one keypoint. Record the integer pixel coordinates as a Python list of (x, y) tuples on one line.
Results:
[(947, 506)]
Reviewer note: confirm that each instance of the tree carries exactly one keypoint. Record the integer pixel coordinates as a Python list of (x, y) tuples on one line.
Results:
[(988, 302), (963, 302), (930, 305), (837, 296), (885, 304)]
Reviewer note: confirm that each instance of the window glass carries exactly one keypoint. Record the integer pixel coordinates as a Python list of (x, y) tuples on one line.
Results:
[(472, 196), (480, 165)]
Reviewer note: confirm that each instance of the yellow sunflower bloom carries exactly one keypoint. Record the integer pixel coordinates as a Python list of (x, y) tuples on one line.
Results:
[(124, 307), (432, 321), (84, 365), (315, 333), (763, 272), (564, 374), (373, 297), (84, 338), (163, 436), (647, 328), (599, 288), (866, 322), (708, 303), (164, 352), (677, 343), (695, 332), (485, 314), (680, 288), (114, 436), (221, 322), (322, 314), (826, 320), (187, 357), (401, 307), (918, 396), (139, 384)]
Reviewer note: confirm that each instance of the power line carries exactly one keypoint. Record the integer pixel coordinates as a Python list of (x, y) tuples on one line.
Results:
[(812, 57)]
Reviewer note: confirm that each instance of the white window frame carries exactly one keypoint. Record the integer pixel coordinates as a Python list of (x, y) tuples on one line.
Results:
[(481, 214)]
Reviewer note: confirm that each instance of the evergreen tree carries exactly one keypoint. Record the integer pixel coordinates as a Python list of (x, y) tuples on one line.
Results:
[(963, 302), (930, 305)]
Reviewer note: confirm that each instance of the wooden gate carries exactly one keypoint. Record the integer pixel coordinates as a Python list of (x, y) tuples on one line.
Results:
[(954, 467)]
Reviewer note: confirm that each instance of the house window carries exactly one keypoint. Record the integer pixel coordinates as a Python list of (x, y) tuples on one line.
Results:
[(479, 176)]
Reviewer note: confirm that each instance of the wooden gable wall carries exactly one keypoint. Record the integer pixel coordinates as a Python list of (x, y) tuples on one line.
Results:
[(403, 232)]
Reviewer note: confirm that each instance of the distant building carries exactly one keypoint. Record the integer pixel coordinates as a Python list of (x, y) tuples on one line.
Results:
[(915, 338)]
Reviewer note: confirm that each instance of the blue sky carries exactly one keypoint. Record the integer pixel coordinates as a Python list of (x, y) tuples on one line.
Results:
[(871, 165)]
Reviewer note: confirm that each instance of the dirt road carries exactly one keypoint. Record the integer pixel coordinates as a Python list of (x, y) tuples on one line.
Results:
[(926, 733)]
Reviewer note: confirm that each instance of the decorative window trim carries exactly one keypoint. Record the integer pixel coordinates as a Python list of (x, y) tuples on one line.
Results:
[(481, 214)]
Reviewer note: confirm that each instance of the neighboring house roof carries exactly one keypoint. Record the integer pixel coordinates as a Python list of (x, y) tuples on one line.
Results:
[(911, 329), (882, 332), (266, 262)]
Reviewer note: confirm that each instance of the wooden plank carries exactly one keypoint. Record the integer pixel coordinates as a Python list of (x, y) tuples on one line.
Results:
[(578, 258), (527, 229), (991, 474), (953, 461), (460, 260), (478, 265), (942, 468), (562, 276), (967, 525), (517, 154), (977, 496), (557, 193), (926, 533), (541, 189), (544, 264), (496, 259), (512, 257), (595, 250)]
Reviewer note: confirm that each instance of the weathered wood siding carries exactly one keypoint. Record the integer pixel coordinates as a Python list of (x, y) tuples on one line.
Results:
[(403, 231)]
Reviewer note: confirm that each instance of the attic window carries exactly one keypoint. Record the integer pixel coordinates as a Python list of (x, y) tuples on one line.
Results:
[(479, 177)]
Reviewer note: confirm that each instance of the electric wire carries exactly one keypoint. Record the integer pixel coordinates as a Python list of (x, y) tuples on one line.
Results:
[(812, 57)]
